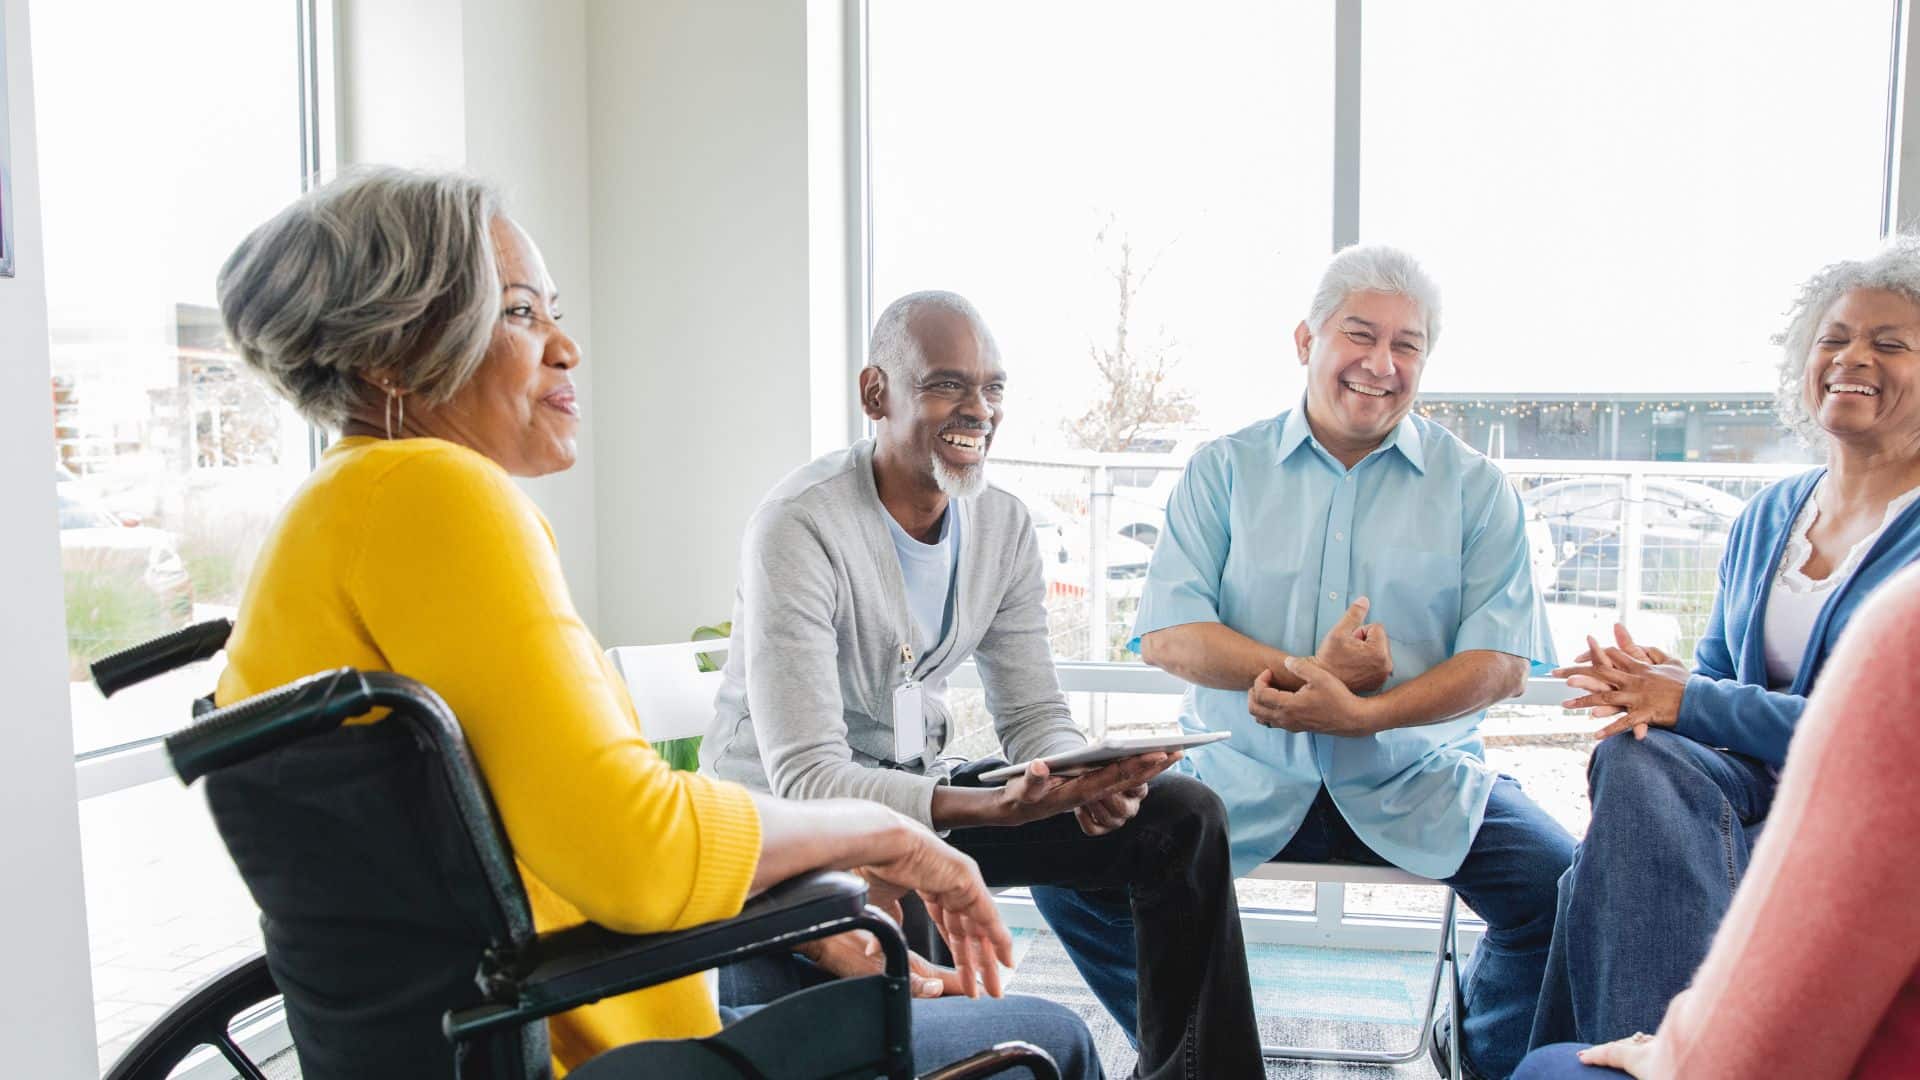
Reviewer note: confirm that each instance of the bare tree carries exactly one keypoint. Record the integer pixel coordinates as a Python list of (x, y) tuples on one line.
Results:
[(1137, 395)]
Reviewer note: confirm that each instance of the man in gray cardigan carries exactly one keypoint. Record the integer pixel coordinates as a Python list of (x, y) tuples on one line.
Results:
[(866, 577)]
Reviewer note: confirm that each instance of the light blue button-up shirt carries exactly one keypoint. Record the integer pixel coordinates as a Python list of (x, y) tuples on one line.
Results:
[(1267, 533)]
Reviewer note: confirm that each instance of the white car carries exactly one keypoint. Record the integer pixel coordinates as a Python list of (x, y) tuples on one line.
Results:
[(1683, 527)]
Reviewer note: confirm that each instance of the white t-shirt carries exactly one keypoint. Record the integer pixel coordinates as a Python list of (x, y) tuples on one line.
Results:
[(1795, 600), (927, 570)]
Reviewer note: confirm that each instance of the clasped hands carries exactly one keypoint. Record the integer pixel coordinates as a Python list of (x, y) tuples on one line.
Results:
[(1632, 686), (1354, 658)]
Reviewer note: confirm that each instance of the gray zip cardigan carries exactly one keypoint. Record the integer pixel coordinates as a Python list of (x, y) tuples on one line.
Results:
[(806, 699)]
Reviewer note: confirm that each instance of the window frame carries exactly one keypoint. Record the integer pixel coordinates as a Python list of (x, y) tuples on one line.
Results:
[(109, 769)]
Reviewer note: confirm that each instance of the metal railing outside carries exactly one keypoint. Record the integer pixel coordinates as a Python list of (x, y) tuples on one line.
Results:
[(1621, 539)]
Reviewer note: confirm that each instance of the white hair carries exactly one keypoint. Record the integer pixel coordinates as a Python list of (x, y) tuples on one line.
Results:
[(895, 349), (1894, 268), (381, 269), (959, 483), (1375, 268)]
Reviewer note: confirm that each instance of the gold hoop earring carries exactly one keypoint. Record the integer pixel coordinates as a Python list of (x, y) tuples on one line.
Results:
[(395, 400)]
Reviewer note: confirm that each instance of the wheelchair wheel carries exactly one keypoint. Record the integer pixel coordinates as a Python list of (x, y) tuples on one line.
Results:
[(203, 1018)]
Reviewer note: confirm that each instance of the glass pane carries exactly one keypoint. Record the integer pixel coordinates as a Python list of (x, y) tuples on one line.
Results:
[(1126, 190), (166, 909), (1619, 204), (169, 458)]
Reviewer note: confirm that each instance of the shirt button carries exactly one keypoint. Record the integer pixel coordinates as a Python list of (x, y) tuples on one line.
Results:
[(1339, 536), (1333, 596)]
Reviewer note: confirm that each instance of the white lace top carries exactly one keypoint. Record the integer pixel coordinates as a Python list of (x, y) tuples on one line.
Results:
[(1794, 603)]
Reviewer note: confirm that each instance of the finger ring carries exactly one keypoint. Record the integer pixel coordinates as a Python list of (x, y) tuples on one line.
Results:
[(1639, 1037)]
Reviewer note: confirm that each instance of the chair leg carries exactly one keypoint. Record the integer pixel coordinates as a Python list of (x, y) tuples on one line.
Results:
[(1453, 968), (1443, 957)]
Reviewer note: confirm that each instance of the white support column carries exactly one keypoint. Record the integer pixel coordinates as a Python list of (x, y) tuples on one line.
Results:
[(1633, 534), (1346, 123), (46, 1000), (1900, 201)]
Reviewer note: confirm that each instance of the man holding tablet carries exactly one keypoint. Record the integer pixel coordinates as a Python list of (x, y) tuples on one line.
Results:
[(1348, 588), (866, 577)]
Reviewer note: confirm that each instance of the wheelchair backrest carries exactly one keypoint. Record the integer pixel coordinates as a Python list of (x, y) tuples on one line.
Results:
[(383, 880)]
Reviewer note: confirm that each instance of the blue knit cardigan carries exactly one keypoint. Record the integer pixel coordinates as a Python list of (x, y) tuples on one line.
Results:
[(1727, 703)]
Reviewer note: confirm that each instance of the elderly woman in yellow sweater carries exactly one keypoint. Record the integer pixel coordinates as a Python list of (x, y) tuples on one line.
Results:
[(407, 312)]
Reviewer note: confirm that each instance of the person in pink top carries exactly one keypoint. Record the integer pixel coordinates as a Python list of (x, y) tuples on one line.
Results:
[(1815, 973)]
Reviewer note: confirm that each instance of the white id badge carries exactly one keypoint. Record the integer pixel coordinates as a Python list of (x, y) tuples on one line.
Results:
[(909, 724)]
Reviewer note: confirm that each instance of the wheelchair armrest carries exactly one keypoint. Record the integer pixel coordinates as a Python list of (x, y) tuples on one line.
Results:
[(568, 968)]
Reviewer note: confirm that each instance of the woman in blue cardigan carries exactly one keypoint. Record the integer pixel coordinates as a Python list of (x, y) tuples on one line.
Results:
[(1685, 772)]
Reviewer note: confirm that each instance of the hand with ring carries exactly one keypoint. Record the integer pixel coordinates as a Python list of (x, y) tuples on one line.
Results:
[(1637, 1055)]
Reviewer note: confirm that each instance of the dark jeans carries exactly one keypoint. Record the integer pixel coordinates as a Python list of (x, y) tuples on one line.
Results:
[(1674, 823), (1508, 879), (1169, 867), (1561, 1061)]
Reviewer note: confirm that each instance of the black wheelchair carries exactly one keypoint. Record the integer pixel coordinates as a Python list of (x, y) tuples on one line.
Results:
[(398, 935)]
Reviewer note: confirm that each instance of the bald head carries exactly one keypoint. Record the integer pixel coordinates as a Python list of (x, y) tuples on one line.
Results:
[(927, 326)]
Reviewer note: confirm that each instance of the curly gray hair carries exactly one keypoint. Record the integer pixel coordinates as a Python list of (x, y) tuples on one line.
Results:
[(1894, 268), (382, 269), (1375, 268)]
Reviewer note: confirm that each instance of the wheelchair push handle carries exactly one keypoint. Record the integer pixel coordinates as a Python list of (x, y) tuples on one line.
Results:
[(159, 656), (268, 721)]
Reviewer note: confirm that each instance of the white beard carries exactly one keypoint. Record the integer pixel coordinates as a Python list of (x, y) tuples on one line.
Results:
[(959, 483)]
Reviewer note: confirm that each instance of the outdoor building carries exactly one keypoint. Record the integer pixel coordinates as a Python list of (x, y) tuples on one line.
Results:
[(1618, 427)]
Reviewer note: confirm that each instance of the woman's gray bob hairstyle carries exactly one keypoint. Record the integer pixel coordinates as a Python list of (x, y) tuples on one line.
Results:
[(1895, 268), (1375, 268), (382, 269)]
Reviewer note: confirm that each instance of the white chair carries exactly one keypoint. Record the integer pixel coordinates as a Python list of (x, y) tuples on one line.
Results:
[(672, 695), (1446, 959), (673, 698)]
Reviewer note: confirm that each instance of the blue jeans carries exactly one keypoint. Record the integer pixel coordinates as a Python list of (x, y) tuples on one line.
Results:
[(1561, 1062), (1674, 823), (948, 1029), (1508, 878)]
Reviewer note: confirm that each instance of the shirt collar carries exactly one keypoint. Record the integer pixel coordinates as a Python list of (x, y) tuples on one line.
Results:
[(1405, 437)]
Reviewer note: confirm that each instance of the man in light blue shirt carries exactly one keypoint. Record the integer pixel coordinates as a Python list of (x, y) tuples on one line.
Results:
[(1356, 740)]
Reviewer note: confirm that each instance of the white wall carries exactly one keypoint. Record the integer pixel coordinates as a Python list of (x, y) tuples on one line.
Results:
[(682, 166), (703, 294), (401, 83), (498, 88), (46, 998), (525, 70)]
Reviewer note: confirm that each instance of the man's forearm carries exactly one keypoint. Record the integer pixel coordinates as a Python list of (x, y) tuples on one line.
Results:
[(1210, 654), (968, 807), (1463, 684)]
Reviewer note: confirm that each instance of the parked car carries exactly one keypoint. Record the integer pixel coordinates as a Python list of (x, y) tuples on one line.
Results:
[(124, 582), (1683, 529)]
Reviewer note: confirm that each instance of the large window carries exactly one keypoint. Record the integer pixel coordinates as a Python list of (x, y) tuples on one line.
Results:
[(1619, 202), (166, 132)]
